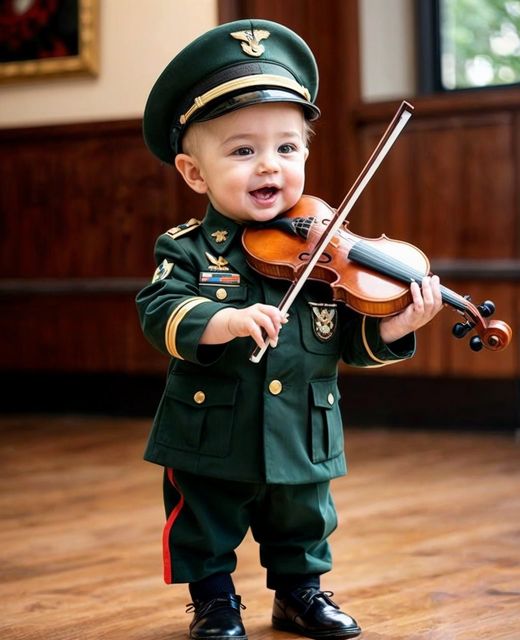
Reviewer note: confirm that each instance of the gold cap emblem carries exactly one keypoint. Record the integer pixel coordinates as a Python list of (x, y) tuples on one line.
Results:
[(250, 41)]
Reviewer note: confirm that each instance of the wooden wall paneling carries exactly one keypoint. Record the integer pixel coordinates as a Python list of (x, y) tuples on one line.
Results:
[(84, 200), (386, 204), (75, 333), (440, 196), (489, 186), (516, 169), (448, 187), (80, 212)]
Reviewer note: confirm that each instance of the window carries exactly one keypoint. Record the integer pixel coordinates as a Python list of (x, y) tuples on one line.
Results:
[(465, 44)]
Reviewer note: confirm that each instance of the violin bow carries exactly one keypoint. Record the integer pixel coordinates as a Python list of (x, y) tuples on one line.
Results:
[(399, 121)]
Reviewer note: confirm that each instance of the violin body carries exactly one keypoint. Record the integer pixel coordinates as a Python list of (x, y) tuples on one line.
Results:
[(276, 254), (371, 276)]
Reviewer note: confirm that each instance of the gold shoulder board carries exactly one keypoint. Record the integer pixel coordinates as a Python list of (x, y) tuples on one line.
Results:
[(186, 227)]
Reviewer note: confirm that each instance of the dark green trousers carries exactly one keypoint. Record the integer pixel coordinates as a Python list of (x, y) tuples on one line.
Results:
[(207, 519)]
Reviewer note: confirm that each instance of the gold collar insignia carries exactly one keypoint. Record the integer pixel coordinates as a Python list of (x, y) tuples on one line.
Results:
[(220, 235)]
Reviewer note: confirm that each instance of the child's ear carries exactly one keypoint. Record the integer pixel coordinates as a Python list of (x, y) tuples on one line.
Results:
[(189, 169)]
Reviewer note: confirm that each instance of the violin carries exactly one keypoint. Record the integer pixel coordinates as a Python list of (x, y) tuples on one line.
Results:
[(371, 276)]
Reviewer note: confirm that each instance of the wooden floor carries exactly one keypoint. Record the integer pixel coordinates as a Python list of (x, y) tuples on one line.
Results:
[(428, 546)]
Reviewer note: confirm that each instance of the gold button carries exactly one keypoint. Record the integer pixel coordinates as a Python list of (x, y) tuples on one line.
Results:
[(199, 397), (330, 399), (275, 387), (221, 294)]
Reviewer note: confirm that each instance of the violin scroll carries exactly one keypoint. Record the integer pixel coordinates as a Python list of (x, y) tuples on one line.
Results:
[(494, 335)]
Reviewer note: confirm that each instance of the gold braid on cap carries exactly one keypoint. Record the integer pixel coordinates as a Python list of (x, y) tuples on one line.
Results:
[(243, 83)]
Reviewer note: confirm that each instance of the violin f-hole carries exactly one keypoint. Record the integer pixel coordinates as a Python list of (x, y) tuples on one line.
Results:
[(325, 258)]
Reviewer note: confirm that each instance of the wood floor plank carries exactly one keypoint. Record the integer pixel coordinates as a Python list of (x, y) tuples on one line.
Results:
[(428, 546)]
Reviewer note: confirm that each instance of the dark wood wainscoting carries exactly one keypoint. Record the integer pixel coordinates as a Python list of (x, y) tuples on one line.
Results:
[(81, 207)]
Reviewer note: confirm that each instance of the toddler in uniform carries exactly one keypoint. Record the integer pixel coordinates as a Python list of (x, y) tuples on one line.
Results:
[(243, 445)]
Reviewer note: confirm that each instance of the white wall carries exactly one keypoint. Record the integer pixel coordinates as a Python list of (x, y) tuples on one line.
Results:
[(137, 39), (387, 36)]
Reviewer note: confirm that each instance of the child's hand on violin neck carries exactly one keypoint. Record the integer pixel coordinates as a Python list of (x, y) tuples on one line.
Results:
[(427, 302)]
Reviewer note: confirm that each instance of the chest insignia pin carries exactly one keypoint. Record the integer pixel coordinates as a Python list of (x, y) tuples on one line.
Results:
[(217, 264), (324, 320)]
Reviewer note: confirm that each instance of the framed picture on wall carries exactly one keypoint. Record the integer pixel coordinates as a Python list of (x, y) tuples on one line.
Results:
[(42, 38)]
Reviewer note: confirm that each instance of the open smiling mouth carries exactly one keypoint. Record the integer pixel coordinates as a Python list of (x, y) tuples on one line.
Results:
[(265, 193)]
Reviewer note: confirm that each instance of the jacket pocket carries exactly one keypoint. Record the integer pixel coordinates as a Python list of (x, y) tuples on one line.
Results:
[(326, 424), (197, 414)]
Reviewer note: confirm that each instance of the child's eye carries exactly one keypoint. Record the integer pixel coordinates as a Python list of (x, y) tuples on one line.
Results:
[(287, 148), (243, 151)]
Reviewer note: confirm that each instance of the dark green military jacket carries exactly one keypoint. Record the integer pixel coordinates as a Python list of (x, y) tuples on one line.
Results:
[(277, 421)]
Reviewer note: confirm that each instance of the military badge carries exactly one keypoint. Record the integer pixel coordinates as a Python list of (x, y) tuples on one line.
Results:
[(220, 235), (216, 278), (162, 271), (324, 320), (217, 264), (250, 41), (182, 229)]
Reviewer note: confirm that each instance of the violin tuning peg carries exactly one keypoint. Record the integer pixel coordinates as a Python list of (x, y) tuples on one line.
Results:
[(487, 308), (475, 344), (461, 329)]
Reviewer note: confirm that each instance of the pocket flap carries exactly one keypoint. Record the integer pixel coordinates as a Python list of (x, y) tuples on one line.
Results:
[(325, 393), (202, 391)]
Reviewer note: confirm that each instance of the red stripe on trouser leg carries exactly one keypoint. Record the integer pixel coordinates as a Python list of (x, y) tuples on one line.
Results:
[(167, 561)]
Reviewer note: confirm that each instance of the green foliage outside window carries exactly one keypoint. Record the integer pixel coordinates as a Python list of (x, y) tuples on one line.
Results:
[(480, 43)]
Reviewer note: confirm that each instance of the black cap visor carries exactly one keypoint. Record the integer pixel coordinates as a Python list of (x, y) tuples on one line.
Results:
[(233, 102), (259, 96)]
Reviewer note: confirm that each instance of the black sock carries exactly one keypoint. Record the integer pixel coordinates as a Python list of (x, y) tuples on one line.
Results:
[(284, 585), (210, 587)]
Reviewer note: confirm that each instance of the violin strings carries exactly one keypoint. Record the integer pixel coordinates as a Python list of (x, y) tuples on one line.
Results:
[(368, 256)]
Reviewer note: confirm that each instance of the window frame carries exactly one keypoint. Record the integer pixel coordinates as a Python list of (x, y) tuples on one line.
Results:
[(428, 40), (428, 43)]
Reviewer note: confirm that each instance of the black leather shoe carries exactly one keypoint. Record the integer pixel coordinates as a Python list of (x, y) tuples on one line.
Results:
[(217, 619), (310, 612)]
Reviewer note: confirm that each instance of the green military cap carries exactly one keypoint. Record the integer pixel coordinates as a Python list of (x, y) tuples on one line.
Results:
[(231, 66)]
